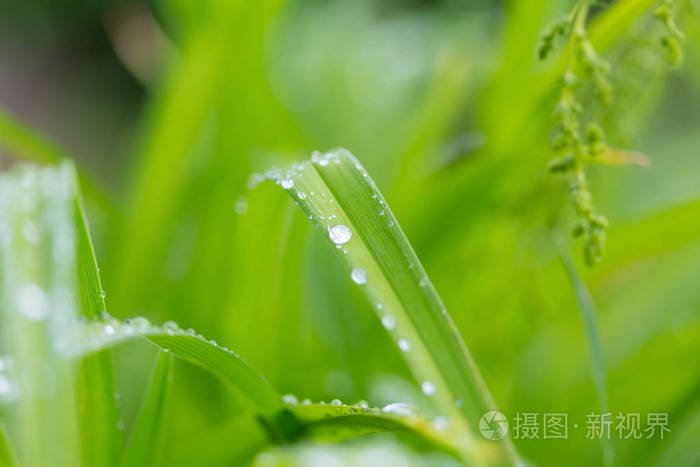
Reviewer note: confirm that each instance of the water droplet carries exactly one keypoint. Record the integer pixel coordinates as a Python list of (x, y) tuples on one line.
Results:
[(423, 282), (441, 423), (30, 232), (336, 402), (140, 324), (306, 402), (323, 162), (5, 386), (241, 206), (108, 329), (404, 345), (287, 183), (103, 294), (339, 234), (290, 399), (399, 408), (359, 275), (428, 388), (171, 327), (120, 425), (363, 404), (302, 195), (32, 302), (389, 322)]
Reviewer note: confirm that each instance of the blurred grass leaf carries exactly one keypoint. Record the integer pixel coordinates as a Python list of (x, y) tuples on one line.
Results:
[(589, 318), (7, 456), (37, 307), (148, 434)]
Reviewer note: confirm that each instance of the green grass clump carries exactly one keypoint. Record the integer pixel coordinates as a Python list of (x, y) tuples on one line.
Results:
[(175, 308)]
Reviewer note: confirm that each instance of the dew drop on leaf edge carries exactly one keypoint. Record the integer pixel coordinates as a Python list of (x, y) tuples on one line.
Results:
[(339, 234), (359, 275)]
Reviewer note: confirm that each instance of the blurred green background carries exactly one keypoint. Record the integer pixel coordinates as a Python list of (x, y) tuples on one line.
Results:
[(169, 106)]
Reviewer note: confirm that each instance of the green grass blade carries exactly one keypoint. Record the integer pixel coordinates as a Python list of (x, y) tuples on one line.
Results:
[(344, 203), (99, 415), (37, 307), (148, 435), (220, 361), (7, 456), (589, 316)]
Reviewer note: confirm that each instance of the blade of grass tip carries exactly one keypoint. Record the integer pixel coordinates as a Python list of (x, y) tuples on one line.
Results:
[(101, 439), (343, 202), (589, 317), (37, 308), (145, 447), (27, 143), (7, 456)]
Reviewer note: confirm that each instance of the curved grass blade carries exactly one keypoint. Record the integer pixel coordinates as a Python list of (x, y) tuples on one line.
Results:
[(589, 317), (148, 435), (343, 202), (337, 422), (7, 456), (88, 338)]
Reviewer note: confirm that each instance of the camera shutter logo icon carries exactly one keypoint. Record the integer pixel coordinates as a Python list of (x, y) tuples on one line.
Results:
[(493, 425)]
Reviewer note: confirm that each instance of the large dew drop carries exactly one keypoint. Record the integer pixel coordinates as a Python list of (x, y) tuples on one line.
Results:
[(32, 302), (404, 345), (339, 234), (428, 388), (359, 275), (389, 322), (399, 408)]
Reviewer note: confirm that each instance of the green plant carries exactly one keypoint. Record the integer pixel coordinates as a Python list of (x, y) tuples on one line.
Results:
[(448, 107)]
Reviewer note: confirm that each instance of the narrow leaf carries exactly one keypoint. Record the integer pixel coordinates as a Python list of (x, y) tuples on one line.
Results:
[(101, 439), (92, 337), (148, 435), (589, 317)]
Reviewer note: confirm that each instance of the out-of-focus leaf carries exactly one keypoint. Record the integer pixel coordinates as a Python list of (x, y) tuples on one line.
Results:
[(38, 299), (148, 434), (365, 452), (589, 317), (7, 456)]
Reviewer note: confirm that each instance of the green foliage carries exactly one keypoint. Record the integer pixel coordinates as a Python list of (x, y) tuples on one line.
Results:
[(448, 107), (148, 435)]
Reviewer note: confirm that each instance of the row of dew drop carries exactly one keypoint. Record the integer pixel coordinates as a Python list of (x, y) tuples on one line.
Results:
[(316, 207), (398, 409)]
